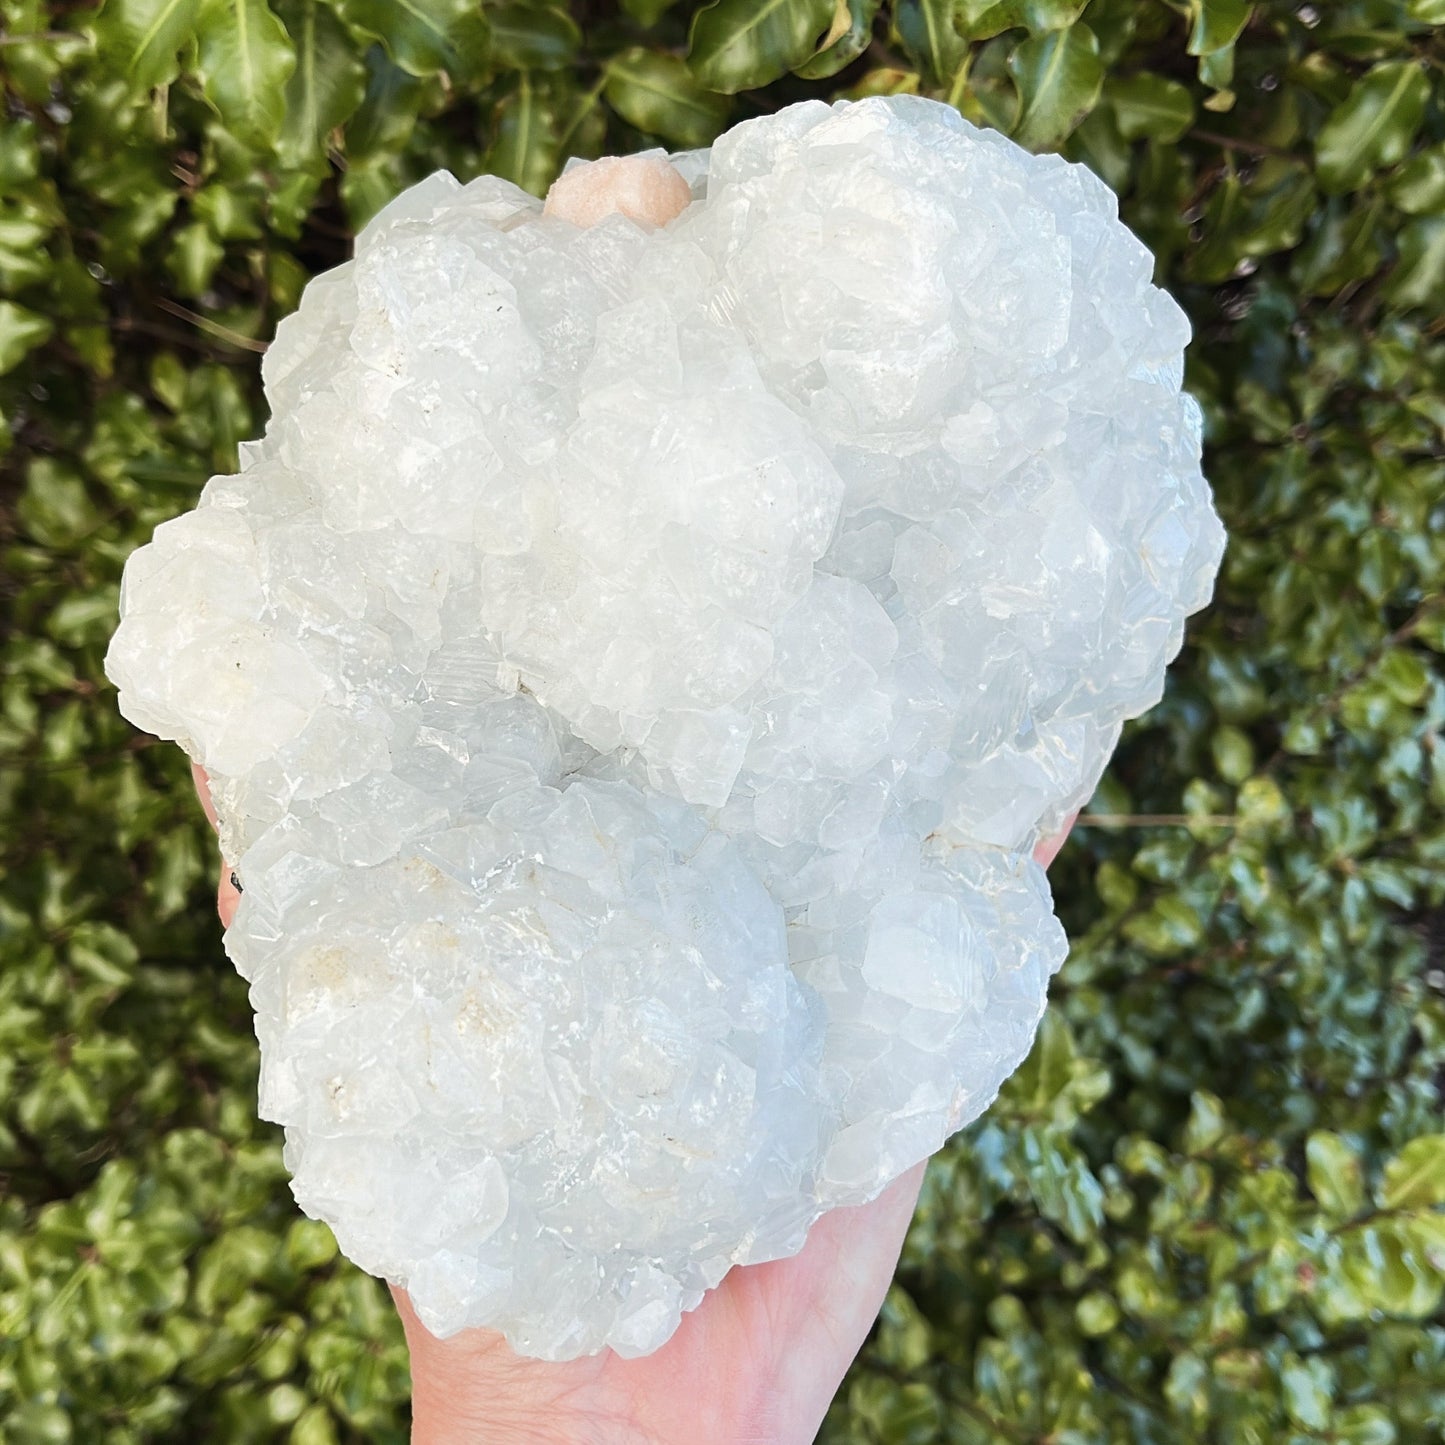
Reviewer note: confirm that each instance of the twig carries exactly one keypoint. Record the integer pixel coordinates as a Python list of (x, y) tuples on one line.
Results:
[(180, 338), (214, 328), (1157, 820), (1249, 147)]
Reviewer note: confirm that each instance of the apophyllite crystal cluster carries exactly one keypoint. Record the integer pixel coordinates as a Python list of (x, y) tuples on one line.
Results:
[(633, 670)]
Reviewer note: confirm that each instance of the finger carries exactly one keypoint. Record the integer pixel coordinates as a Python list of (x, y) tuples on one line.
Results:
[(1048, 850), (228, 895), (203, 791), (417, 1334)]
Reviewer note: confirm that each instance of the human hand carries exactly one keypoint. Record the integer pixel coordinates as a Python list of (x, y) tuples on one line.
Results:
[(757, 1361)]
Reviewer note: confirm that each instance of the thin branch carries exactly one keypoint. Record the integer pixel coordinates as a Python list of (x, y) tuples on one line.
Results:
[(1248, 147), (1157, 820), (180, 338), (213, 328)]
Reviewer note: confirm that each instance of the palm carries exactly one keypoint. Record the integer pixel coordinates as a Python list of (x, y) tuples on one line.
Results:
[(758, 1360)]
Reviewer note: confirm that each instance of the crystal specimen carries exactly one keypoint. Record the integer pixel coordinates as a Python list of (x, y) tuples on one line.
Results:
[(633, 670)]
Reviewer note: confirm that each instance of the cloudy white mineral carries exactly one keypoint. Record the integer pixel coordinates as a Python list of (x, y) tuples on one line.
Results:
[(633, 670)]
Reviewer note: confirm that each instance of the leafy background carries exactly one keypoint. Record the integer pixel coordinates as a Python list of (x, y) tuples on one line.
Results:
[(1209, 1207)]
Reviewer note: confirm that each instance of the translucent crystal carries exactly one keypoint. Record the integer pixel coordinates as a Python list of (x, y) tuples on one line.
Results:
[(634, 669)]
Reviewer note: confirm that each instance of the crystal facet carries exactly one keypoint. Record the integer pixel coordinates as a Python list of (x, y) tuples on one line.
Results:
[(634, 669)]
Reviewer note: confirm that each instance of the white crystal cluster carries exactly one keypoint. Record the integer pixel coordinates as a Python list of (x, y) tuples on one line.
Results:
[(633, 671)]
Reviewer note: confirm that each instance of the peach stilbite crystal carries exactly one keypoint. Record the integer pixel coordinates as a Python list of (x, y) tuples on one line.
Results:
[(643, 188)]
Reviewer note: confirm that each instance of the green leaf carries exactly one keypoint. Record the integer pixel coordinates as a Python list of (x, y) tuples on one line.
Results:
[(1344, 249), (1418, 187), (1362, 1425), (139, 39), (741, 44), (929, 36), (1278, 218), (904, 1337), (1059, 76), (310, 1244), (1187, 1384), (991, 96), (325, 88), (231, 214), (1100, 146), (315, 1427), (1063, 1186), (1427, 12), (1419, 275), (850, 36), (21, 331), (1149, 107), (1374, 126), (525, 149), (193, 257), (1220, 249), (244, 58), (1216, 70), (1217, 24), (387, 114), (883, 80), (55, 506), (1308, 1390), (1404, 675), (534, 37), (657, 93), (1230, 746), (1207, 1123), (1096, 1314), (983, 19), (1336, 1178), (906, 1414), (647, 12), (1415, 1177), (424, 37), (1381, 1268), (1169, 927)]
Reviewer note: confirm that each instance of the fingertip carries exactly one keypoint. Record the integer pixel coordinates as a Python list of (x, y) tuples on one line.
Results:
[(228, 895), (228, 892), (203, 791), (1051, 846)]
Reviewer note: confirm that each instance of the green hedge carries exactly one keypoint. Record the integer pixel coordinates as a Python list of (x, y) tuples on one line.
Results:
[(1209, 1207)]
